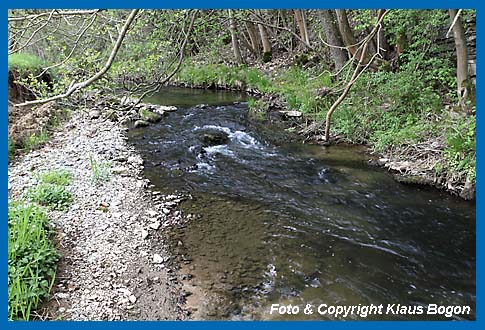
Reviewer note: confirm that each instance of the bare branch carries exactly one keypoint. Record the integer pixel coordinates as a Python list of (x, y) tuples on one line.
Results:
[(55, 13), (76, 87)]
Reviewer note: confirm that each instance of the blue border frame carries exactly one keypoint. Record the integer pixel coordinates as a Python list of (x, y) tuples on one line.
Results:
[(206, 4)]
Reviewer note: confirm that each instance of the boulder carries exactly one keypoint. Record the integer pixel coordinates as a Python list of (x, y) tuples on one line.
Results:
[(149, 116), (141, 123)]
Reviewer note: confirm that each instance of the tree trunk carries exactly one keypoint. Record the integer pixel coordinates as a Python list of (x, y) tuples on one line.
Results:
[(235, 41), (300, 21), (253, 37), (346, 31), (463, 79), (267, 55), (339, 55)]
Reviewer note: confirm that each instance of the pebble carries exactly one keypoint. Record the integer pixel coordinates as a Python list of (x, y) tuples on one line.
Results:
[(158, 259), (155, 225)]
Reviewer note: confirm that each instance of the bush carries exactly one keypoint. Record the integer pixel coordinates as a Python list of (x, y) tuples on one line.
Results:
[(31, 259)]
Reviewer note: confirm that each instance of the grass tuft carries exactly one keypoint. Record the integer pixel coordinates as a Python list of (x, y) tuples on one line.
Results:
[(56, 177), (100, 171)]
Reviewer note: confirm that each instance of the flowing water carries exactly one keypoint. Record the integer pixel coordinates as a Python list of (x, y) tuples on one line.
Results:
[(286, 223)]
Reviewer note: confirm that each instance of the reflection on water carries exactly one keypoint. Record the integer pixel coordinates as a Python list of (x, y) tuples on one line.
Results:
[(301, 224)]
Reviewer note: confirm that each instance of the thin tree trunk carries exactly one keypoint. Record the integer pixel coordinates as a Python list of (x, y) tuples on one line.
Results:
[(235, 41), (463, 79), (383, 43), (361, 65), (300, 21), (346, 31), (267, 55), (339, 55)]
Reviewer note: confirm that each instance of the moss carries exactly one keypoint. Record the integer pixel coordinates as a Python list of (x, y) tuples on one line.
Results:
[(23, 62), (149, 116)]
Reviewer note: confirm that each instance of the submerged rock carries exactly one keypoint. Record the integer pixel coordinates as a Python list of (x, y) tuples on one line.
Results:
[(214, 138)]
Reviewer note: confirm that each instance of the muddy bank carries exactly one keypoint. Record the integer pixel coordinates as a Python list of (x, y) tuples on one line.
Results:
[(114, 263)]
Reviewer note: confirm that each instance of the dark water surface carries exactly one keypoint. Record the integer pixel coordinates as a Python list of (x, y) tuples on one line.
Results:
[(300, 224)]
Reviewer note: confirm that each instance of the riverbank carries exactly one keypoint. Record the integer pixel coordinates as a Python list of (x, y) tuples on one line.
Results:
[(114, 263), (413, 131)]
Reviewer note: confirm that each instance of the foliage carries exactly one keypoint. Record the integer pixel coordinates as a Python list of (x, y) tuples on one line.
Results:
[(56, 177), (460, 151), (100, 171), (31, 259), (50, 195)]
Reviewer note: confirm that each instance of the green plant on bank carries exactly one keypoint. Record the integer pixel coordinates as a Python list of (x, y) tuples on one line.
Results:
[(35, 140), (100, 171), (460, 151), (12, 150), (50, 195), (57, 177), (296, 86), (257, 109), (31, 259)]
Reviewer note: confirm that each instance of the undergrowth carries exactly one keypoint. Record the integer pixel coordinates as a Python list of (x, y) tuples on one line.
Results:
[(31, 259)]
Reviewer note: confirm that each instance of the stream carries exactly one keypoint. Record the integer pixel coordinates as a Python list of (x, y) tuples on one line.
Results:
[(279, 222)]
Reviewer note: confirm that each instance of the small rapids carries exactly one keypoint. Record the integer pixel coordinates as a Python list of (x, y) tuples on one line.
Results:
[(294, 224)]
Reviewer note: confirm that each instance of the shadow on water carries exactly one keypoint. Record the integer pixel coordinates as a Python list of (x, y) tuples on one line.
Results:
[(292, 223)]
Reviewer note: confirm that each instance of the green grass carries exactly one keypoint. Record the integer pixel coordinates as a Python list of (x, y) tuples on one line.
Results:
[(35, 140), (23, 62), (56, 177), (100, 171), (50, 195), (31, 259), (296, 86)]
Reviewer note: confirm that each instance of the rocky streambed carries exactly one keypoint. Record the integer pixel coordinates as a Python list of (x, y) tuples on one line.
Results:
[(114, 262)]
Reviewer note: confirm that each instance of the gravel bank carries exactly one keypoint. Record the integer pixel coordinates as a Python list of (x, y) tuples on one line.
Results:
[(114, 260)]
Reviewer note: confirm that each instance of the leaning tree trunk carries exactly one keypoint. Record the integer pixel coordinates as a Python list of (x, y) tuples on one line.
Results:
[(235, 41), (462, 77), (253, 37), (346, 31), (339, 55)]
